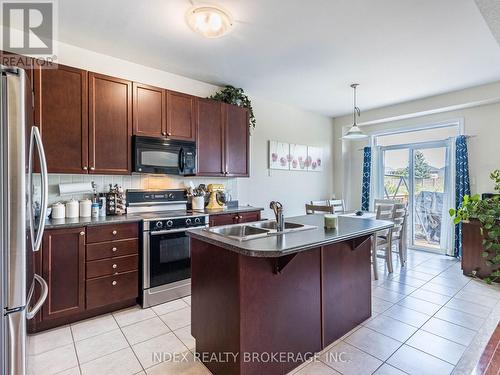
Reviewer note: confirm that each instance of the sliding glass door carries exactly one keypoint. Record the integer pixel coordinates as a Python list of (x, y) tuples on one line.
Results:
[(420, 175)]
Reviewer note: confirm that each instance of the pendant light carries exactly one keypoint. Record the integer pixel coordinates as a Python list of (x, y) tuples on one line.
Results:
[(355, 132)]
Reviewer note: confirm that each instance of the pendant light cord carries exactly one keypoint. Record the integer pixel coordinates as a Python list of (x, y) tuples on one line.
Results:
[(356, 111)]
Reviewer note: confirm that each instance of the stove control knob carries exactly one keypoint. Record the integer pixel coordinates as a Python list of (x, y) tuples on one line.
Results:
[(197, 220), (188, 221), (171, 196), (159, 224), (170, 223)]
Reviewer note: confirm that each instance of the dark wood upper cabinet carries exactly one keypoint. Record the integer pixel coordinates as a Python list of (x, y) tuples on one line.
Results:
[(63, 268), (210, 138), (110, 124), (180, 116), (61, 112), (222, 139), (236, 134), (149, 112)]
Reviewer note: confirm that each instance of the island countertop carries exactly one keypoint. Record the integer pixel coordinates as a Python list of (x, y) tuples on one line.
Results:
[(274, 245)]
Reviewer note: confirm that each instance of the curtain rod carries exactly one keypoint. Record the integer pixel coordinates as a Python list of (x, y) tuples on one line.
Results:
[(466, 136)]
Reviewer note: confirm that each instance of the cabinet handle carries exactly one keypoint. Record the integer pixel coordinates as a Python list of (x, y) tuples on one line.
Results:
[(114, 233), (114, 249), (92, 168), (163, 133), (114, 266), (82, 233), (114, 283), (84, 168), (169, 134)]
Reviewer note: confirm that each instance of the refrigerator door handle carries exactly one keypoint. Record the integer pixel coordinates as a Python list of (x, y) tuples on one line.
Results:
[(31, 312), (36, 138)]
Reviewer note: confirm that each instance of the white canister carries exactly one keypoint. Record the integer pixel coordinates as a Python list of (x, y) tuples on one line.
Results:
[(198, 203), (85, 208), (58, 211), (72, 209)]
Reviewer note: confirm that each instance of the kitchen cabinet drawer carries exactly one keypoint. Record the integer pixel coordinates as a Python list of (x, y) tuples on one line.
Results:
[(112, 249), (107, 267), (112, 232), (112, 289), (223, 219), (248, 217), (234, 218)]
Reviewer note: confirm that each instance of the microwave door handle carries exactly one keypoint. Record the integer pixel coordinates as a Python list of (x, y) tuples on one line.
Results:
[(181, 160)]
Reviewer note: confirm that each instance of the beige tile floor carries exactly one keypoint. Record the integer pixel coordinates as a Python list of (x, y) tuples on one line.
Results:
[(427, 319)]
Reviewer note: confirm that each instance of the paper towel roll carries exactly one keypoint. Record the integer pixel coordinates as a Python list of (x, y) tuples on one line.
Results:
[(75, 188)]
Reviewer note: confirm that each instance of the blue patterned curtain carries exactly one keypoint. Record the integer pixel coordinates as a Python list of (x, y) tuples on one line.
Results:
[(367, 167), (462, 184)]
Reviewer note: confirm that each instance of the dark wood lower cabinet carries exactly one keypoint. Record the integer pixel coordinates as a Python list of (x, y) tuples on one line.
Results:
[(346, 287), (473, 261), (63, 268), (298, 304), (86, 280), (102, 291), (234, 218)]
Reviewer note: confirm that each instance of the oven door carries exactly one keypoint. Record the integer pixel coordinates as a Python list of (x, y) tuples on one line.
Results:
[(169, 257)]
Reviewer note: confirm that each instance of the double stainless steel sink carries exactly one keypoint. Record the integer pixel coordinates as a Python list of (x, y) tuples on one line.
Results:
[(249, 231)]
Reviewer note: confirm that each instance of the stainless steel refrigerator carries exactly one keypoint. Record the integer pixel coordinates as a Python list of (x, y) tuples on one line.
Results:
[(22, 220)]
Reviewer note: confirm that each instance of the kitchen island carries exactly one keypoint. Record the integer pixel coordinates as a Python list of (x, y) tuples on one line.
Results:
[(264, 305)]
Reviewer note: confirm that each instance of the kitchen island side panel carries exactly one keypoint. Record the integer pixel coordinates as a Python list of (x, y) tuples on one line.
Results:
[(346, 286), (215, 314), (280, 312)]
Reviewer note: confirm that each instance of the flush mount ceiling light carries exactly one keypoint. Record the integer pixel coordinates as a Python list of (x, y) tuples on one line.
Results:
[(209, 21), (355, 132)]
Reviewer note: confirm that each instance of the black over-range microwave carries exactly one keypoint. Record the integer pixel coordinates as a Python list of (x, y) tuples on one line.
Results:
[(164, 156)]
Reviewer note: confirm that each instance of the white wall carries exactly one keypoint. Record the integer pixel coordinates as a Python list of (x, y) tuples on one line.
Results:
[(481, 120), (274, 121), (292, 188)]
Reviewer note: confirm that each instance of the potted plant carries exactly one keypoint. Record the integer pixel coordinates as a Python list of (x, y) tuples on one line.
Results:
[(232, 95), (487, 212)]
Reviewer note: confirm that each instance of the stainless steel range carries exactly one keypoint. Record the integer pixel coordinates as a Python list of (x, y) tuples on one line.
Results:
[(166, 258)]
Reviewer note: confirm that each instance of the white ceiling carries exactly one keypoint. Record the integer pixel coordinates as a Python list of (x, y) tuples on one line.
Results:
[(298, 52)]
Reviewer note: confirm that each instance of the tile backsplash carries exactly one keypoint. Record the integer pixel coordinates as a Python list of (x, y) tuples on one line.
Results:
[(129, 182)]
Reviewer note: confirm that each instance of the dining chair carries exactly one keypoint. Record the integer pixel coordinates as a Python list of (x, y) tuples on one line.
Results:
[(382, 240), (399, 215), (338, 205), (312, 209), (378, 202), (321, 203)]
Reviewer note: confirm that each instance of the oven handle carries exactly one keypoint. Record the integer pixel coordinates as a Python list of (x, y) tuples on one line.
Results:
[(167, 231)]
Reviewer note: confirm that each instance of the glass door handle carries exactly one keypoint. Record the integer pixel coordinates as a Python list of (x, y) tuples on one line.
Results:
[(36, 138)]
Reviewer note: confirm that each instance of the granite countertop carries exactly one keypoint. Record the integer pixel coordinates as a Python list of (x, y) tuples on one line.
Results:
[(87, 221), (293, 242), (230, 210)]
